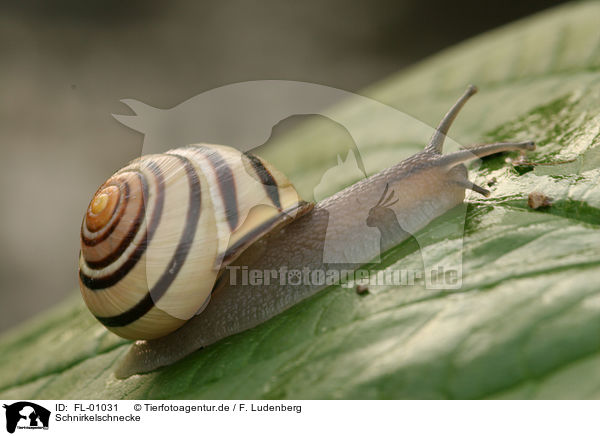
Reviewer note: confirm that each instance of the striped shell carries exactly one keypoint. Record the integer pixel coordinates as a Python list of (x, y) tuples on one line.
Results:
[(156, 233)]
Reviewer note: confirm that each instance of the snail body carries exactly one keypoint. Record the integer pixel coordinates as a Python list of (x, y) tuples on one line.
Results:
[(268, 235)]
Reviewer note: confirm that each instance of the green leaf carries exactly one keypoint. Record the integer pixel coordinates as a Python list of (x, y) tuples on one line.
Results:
[(526, 323)]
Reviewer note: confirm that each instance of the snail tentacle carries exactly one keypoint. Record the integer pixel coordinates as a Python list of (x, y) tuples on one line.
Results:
[(467, 184), (463, 156), (437, 140)]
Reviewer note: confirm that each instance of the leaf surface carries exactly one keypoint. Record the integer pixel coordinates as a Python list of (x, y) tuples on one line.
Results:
[(526, 323)]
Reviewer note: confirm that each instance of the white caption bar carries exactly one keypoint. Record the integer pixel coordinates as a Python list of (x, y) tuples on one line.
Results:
[(23, 417)]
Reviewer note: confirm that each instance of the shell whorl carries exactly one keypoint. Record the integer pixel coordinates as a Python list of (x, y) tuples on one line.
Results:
[(157, 232)]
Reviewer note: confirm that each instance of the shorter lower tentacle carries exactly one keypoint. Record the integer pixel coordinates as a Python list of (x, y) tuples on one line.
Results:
[(467, 184)]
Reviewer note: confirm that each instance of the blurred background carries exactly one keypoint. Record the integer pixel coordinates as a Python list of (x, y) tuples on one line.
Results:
[(67, 63)]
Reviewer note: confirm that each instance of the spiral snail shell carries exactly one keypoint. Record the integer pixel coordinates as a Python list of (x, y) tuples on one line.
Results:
[(157, 235), (157, 232)]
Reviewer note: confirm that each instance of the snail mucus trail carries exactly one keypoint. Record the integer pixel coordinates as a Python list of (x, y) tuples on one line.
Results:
[(158, 235)]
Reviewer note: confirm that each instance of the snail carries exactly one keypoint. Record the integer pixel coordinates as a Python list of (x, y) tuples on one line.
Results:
[(165, 240)]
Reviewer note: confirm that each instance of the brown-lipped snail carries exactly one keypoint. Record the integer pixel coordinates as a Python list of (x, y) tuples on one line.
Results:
[(158, 235), (157, 232)]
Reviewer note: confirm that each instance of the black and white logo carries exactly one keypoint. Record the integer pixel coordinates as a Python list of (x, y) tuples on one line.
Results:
[(26, 415)]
